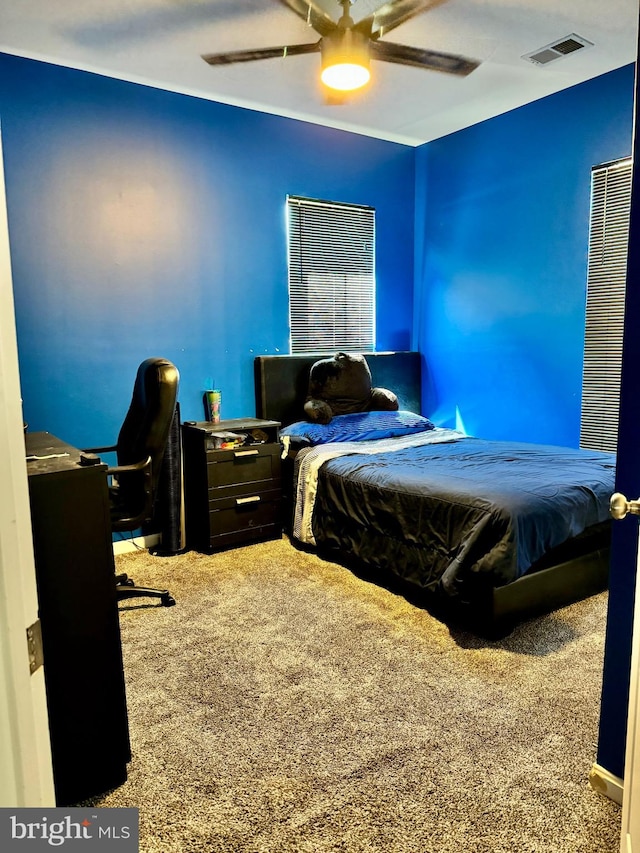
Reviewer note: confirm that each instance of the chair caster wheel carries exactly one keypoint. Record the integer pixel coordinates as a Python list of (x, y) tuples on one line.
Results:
[(167, 600)]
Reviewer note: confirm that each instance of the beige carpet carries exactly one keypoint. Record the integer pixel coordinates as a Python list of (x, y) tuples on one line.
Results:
[(286, 705)]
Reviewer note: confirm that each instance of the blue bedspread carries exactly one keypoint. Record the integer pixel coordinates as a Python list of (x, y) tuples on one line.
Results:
[(440, 513)]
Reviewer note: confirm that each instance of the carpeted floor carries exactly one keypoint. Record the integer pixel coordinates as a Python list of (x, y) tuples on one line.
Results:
[(286, 705)]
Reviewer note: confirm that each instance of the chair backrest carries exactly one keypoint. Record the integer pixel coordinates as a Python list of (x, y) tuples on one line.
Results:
[(146, 427)]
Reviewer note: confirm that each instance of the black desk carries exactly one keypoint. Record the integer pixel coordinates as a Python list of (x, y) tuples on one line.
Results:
[(78, 612)]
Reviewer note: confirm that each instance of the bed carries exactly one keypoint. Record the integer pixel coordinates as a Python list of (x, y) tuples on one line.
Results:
[(483, 533)]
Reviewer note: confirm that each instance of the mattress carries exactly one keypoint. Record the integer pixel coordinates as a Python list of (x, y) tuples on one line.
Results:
[(442, 510)]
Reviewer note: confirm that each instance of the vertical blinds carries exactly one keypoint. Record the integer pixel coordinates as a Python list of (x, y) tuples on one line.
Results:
[(606, 280), (331, 275)]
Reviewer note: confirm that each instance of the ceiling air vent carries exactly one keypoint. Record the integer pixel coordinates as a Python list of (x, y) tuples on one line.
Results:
[(558, 49)]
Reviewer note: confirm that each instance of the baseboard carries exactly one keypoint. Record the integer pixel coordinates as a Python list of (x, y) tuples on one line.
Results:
[(606, 783), (124, 546)]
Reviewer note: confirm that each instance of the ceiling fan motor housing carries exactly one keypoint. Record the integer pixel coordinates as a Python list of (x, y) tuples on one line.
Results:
[(345, 47)]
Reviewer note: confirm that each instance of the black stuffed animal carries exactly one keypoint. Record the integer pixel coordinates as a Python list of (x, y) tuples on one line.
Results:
[(341, 385)]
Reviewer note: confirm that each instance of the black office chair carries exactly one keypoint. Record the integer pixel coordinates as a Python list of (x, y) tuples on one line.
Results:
[(140, 450)]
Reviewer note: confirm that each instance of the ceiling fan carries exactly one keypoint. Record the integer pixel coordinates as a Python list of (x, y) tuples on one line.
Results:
[(347, 47)]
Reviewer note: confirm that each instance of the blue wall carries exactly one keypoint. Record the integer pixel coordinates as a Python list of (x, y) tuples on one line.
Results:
[(502, 226), (501, 259), (149, 223)]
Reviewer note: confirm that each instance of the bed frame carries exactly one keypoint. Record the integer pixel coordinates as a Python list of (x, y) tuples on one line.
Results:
[(570, 573)]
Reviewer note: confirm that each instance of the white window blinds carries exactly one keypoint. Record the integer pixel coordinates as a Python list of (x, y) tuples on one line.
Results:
[(331, 276), (606, 279)]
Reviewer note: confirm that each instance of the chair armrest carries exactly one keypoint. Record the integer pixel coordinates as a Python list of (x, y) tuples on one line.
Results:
[(132, 522), (100, 449), (135, 466)]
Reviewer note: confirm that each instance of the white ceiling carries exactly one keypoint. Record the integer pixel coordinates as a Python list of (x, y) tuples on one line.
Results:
[(160, 43)]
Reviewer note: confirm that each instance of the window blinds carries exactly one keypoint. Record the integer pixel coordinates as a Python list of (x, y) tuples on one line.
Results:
[(331, 276), (606, 279)]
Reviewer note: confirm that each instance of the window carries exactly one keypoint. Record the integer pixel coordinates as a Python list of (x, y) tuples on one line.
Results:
[(606, 279), (331, 276)]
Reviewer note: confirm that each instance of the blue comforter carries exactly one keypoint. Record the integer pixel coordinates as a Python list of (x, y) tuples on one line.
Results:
[(439, 514)]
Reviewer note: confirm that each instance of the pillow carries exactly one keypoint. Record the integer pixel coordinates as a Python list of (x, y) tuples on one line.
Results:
[(361, 426)]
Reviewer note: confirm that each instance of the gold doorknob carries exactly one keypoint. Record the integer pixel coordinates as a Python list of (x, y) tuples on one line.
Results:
[(619, 506)]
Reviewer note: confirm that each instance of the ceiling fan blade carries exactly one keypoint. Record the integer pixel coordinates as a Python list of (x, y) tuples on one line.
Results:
[(431, 60), (313, 14), (261, 53), (392, 14)]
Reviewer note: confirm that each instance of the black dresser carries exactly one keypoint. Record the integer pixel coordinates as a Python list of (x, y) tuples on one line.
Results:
[(78, 613)]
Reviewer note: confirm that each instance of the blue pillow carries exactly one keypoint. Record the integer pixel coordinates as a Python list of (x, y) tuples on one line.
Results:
[(362, 426)]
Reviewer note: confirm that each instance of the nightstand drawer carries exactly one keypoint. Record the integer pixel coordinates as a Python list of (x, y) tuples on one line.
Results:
[(222, 494), (243, 465), (244, 516)]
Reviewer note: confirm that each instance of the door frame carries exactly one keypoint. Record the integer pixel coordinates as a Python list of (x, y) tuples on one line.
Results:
[(25, 752)]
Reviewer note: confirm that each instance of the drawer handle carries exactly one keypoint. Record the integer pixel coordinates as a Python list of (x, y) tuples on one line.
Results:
[(246, 452), (253, 499)]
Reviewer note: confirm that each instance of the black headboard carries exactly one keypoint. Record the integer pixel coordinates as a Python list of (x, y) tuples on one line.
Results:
[(282, 380)]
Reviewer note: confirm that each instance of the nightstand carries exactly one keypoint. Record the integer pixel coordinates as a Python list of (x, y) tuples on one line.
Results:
[(232, 490)]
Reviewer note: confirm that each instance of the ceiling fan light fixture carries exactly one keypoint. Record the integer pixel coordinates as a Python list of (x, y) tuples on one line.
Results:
[(345, 76), (345, 61)]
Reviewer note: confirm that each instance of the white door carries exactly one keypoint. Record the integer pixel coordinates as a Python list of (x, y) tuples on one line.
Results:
[(26, 777)]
